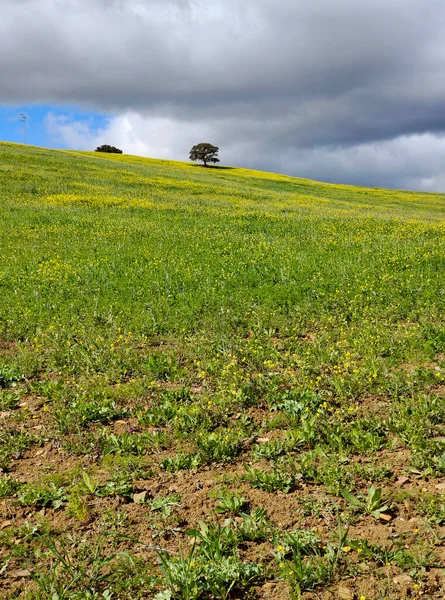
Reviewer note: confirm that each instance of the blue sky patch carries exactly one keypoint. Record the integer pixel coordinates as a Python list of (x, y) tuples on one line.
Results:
[(37, 131)]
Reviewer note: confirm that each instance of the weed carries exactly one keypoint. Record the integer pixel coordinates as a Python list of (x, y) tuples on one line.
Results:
[(395, 554), (78, 506), (164, 504), (215, 541), (269, 450), (51, 495), (8, 376), (329, 469), (270, 481), (8, 487), (218, 447), (229, 573), (9, 400), (181, 461), (88, 483), (136, 443), (371, 504), (119, 485), (183, 575), (89, 575), (374, 472), (306, 573), (12, 444), (299, 541), (114, 519), (230, 503), (435, 510), (212, 565), (255, 525), (316, 507)]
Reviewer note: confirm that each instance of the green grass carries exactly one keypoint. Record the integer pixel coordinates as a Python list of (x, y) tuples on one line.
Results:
[(163, 324)]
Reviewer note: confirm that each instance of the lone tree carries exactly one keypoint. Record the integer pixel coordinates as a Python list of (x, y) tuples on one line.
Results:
[(207, 153), (107, 148)]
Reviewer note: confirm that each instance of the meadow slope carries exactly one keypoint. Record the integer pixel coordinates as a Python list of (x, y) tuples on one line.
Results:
[(217, 383)]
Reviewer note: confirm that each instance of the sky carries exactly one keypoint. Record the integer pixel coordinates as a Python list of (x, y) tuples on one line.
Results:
[(345, 91)]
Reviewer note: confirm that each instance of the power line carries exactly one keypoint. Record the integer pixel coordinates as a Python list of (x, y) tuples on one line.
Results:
[(23, 121)]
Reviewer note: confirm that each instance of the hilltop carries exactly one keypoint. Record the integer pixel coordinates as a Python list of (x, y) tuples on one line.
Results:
[(64, 177), (252, 361)]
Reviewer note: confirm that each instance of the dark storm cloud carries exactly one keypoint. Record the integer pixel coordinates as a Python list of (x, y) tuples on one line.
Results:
[(284, 78)]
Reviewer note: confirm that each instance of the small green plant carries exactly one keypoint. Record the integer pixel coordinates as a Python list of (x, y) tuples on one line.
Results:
[(78, 506), (367, 435), (181, 462), (270, 481), (230, 503), (51, 495), (164, 504), (434, 509), (218, 447), (294, 402), (371, 504), (329, 469), (229, 573), (182, 575), (215, 541), (438, 462), (316, 507), (8, 376), (307, 434), (8, 400), (255, 525), (304, 573), (92, 569), (269, 450), (160, 414), (120, 484), (32, 530), (373, 472), (88, 483), (300, 541), (212, 565), (8, 487), (82, 411), (114, 519), (136, 443), (394, 553), (12, 444)]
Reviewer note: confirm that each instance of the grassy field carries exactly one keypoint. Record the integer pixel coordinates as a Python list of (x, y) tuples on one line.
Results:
[(217, 383)]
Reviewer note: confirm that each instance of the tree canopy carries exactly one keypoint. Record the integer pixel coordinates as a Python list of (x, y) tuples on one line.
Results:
[(204, 152)]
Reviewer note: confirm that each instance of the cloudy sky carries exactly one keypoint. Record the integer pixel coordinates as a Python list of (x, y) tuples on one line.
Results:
[(346, 91)]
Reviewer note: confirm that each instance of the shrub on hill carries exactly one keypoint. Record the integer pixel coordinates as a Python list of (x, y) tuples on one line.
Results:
[(107, 148)]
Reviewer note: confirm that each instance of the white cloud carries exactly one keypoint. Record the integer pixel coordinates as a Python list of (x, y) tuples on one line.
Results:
[(72, 134), (159, 137)]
